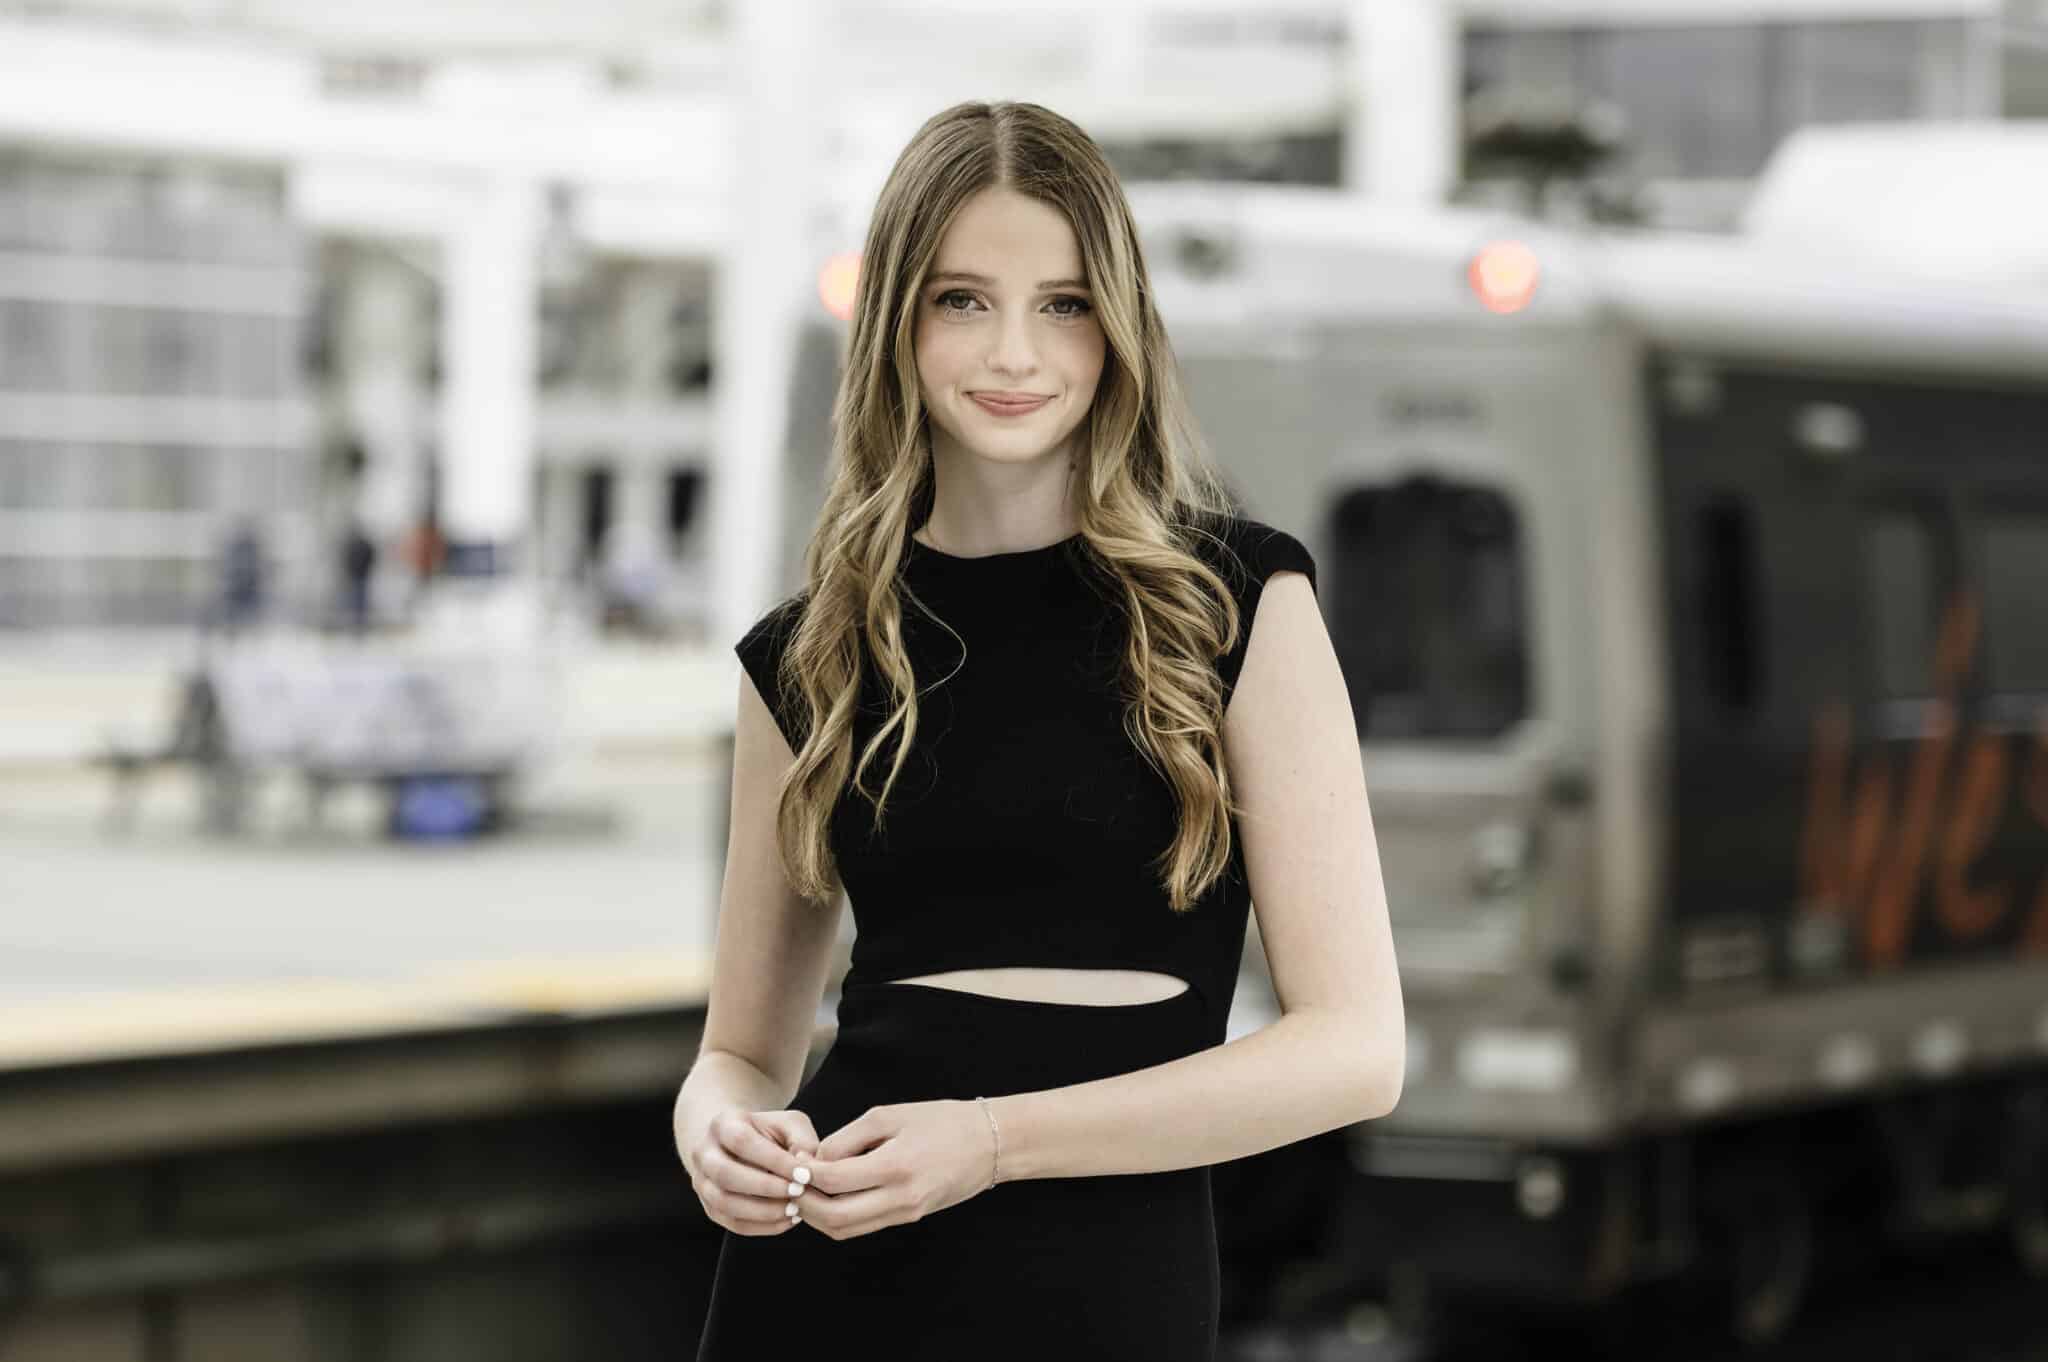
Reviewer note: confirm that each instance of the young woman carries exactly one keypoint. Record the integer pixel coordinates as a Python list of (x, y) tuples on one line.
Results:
[(1053, 716)]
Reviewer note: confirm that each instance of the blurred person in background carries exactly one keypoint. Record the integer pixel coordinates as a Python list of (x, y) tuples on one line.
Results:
[(1028, 604), (242, 577), (358, 564)]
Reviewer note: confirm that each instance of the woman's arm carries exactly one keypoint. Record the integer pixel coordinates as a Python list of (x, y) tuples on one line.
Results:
[(772, 952), (1336, 1054)]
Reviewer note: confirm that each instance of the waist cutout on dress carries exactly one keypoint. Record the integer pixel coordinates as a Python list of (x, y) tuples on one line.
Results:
[(959, 1043)]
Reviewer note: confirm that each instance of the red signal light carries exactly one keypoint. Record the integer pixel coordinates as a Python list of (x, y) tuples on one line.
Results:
[(837, 281), (1503, 274)]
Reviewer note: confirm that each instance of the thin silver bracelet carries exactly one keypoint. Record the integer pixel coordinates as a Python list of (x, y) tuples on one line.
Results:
[(999, 1141)]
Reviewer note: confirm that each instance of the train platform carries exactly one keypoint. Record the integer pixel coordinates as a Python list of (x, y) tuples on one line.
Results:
[(162, 936)]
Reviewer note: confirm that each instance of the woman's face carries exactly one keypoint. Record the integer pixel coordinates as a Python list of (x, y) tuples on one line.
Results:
[(1006, 314)]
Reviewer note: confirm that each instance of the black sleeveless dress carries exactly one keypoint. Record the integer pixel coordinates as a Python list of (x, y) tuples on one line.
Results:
[(1021, 832)]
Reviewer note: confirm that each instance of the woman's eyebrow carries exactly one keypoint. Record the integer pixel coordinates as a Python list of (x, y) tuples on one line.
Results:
[(984, 279)]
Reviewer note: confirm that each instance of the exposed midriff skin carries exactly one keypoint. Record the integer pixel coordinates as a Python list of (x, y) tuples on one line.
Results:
[(1097, 987)]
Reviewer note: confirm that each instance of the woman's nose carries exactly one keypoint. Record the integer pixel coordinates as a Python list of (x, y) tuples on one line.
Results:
[(1013, 352)]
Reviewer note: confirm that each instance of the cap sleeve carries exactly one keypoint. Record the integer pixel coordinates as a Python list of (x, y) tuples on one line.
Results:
[(1250, 552), (760, 651)]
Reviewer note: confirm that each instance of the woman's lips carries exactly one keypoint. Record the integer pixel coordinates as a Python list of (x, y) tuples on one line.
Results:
[(1007, 406)]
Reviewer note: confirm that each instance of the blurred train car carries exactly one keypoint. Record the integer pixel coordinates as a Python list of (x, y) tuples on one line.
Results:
[(1693, 597)]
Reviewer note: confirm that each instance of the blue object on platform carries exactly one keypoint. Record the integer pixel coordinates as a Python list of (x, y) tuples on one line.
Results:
[(438, 808)]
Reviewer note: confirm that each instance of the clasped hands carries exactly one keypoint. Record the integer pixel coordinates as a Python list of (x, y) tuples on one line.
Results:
[(764, 1172)]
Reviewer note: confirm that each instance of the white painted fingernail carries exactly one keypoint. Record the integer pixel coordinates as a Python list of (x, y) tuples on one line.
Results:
[(796, 1189), (790, 1209), (803, 1175)]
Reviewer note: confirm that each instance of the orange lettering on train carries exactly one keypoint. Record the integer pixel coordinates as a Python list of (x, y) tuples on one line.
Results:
[(1970, 913), (1862, 863), (1838, 864), (1888, 925)]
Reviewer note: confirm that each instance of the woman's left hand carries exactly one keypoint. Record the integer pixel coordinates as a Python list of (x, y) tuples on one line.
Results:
[(896, 1164)]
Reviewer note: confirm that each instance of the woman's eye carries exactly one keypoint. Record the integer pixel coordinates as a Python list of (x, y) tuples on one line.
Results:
[(1065, 307)]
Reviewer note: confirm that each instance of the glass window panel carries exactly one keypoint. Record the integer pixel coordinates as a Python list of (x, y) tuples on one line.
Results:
[(256, 354), (30, 345), (2015, 566), (1900, 600), (1842, 72), (114, 338), (146, 477), (107, 477), (31, 476), (1731, 627), (1427, 609), (1696, 98), (175, 359), (248, 480), (30, 592), (1540, 58), (16, 190)]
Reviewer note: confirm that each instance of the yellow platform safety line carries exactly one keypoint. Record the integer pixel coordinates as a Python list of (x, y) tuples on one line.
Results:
[(190, 1020), (577, 983)]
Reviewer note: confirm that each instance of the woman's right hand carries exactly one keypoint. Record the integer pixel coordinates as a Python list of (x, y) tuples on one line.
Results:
[(744, 1165)]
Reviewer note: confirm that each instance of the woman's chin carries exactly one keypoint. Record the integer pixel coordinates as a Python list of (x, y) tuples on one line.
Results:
[(997, 452)]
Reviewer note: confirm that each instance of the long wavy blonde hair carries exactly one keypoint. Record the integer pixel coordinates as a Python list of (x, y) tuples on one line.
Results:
[(1143, 480)]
